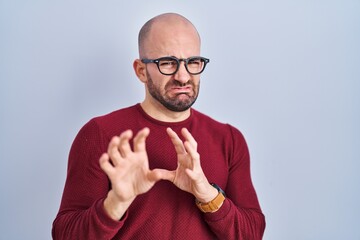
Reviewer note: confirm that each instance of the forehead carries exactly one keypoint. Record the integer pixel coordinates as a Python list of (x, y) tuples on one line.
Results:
[(173, 38)]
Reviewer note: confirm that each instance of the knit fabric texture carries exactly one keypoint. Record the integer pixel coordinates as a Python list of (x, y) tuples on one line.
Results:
[(164, 212)]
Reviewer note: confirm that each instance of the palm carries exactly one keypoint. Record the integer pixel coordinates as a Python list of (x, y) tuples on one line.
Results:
[(131, 176), (182, 179), (188, 175), (127, 169)]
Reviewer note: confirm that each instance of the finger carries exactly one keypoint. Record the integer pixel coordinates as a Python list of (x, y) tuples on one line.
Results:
[(194, 155), (105, 164), (113, 151), (124, 145), (178, 144), (139, 140), (188, 137)]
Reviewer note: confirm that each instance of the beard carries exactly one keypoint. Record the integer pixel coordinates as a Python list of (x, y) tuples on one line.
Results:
[(177, 103)]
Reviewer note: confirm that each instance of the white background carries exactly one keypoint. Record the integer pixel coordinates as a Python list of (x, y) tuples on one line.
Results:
[(286, 73)]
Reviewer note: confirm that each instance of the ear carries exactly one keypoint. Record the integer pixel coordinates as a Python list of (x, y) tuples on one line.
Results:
[(140, 70)]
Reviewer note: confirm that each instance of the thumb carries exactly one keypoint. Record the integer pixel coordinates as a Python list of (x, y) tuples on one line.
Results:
[(161, 174)]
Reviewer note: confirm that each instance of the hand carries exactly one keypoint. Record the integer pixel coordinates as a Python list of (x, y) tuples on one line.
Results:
[(128, 171), (189, 175)]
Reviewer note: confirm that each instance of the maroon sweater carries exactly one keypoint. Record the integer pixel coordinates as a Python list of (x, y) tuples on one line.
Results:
[(165, 212)]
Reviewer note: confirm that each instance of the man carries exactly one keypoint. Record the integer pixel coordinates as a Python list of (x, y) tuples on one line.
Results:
[(115, 186)]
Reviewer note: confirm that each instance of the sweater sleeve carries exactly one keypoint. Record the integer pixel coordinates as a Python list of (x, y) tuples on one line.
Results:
[(240, 217), (81, 214)]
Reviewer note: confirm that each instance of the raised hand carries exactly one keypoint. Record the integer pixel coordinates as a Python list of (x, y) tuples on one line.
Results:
[(189, 175), (128, 171)]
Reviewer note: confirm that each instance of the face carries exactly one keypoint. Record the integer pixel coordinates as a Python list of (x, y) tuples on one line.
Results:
[(174, 95), (176, 92)]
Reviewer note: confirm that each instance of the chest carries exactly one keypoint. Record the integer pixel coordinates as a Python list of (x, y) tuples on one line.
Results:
[(214, 154)]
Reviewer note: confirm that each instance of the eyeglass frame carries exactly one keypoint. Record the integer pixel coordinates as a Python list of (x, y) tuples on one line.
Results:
[(178, 60)]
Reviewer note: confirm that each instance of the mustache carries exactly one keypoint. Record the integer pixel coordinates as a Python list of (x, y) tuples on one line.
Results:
[(175, 83)]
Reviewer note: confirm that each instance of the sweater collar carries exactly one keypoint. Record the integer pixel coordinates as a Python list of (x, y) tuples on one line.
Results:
[(169, 124)]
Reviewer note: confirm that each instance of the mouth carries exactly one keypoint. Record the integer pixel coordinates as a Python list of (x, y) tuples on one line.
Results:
[(181, 90)]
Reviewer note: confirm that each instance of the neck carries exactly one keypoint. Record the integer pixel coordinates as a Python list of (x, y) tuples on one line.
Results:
[(157, 111)]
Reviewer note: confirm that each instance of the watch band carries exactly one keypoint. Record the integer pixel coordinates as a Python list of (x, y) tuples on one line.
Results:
[(214, 204)]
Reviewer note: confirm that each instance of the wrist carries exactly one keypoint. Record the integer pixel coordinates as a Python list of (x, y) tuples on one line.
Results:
[(211, 193), (215, 203), (115, 208)]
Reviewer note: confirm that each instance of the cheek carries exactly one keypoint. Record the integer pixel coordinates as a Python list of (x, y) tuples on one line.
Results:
[(160, 84), (163, 82), (196, 80)]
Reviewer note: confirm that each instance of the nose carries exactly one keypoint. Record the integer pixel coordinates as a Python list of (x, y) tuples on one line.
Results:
[(182, 74)]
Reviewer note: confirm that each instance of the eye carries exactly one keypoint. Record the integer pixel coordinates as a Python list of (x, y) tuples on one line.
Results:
[(195, 62), (167, 63)]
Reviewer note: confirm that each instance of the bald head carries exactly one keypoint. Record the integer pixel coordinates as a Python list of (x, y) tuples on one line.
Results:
[(164, 27)]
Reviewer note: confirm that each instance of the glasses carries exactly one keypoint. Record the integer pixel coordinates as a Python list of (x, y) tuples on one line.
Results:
[(170, 65)]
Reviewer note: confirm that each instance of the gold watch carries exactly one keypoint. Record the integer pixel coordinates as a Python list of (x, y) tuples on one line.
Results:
[(214, 204)]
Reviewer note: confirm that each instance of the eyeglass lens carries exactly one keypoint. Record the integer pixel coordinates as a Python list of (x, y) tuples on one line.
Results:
[(170, 65)]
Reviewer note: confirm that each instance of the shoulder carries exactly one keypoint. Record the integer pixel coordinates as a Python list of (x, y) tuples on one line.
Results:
[(112, 123), (117, 115), (199, 116), (216, 127), (209, 121)]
